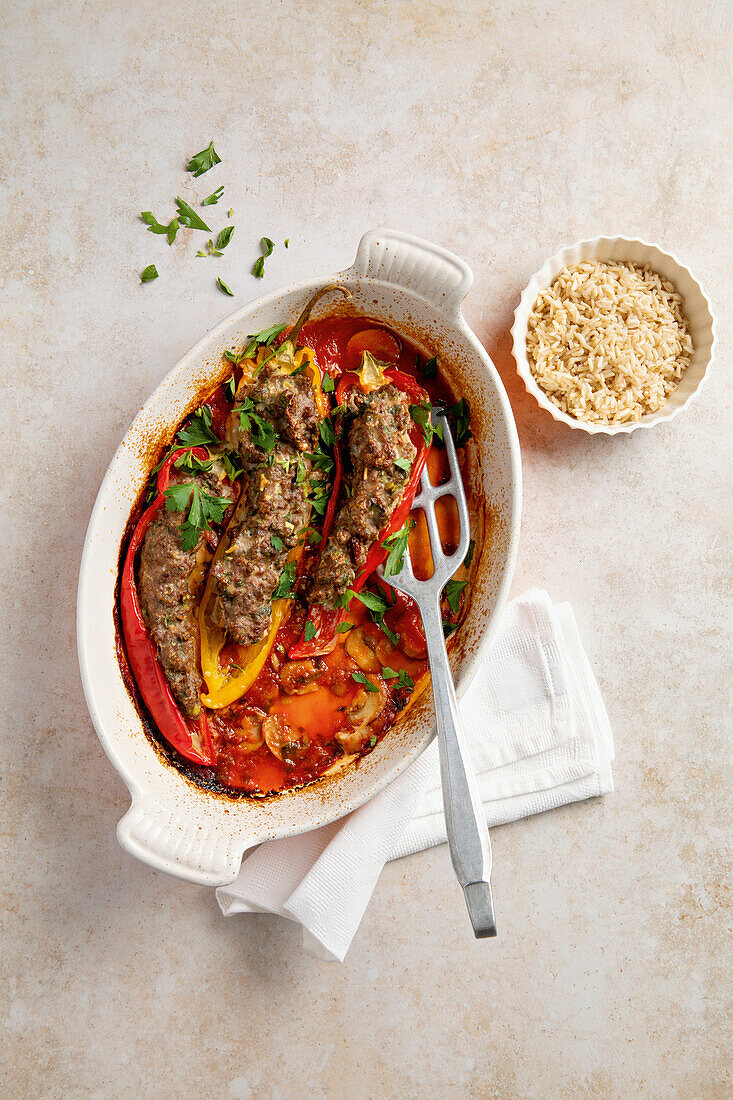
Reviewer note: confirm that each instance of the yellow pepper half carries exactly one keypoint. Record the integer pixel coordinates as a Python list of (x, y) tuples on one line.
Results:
[(226, 685)]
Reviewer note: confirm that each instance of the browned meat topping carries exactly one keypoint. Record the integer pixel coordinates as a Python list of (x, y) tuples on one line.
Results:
[(168, 588), (378, 435), (270, 517), (274, 508), (286, 401)]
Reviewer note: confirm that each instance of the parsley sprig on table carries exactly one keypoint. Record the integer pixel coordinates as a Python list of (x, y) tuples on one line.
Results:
[(203, 161), (198, 165), (267, 247)]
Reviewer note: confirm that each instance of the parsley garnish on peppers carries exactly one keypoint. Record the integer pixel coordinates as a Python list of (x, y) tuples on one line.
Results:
[(203, 510), (261, 430), (198, 432), (460, 415), (285, 586), (421, 415), (376, 605), (397, 544), (203, 161)]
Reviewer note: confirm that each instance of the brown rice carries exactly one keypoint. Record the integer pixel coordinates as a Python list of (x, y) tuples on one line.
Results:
[(607, 341)]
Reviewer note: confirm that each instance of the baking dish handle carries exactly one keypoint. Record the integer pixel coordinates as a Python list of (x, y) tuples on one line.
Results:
[(432, 272), (198, 854)]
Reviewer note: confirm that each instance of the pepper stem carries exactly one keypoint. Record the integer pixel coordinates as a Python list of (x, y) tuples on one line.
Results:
[(293, 336)]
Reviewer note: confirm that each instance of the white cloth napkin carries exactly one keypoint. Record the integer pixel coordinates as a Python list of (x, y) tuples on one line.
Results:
[(538, 735)]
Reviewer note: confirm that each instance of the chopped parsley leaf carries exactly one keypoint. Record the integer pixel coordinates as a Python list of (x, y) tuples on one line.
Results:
[(310, 631), (261, 430), (187, 216), (430, 369), (213, 198), (453, 591), (344, 628), (371, 600), (150, 272), (327, 431), (259, 266), (397, 545), (277, 543), (232, 464), (203, 510), (327, 384), (225, 236), (361, 679), (460, 415), (223, 287), (198, 432), (421, 416), (203, 161), (285, 586), (469, 554)]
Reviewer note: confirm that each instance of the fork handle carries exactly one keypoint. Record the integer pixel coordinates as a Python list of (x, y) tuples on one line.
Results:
[(468, 835)]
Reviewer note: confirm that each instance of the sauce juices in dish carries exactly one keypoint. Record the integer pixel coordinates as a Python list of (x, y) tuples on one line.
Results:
[(321, 686)]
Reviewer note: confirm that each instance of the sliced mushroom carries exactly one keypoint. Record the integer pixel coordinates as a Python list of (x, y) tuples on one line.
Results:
[(366, 706), (299, 677), (280, 739), (361, 647), (249, 730)]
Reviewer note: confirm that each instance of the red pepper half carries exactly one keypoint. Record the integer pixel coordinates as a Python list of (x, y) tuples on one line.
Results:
[(324, 620), (188, 736)]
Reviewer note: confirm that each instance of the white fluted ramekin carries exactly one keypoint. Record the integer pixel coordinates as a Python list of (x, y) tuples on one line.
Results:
[(695, 305)]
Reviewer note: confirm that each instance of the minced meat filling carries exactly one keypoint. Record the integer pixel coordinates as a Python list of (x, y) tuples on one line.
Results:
[(270, 517), (168, 595), (374, 485), (273, 510)]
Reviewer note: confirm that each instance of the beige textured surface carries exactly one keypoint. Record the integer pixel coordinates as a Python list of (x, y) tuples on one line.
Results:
[(502, 132)]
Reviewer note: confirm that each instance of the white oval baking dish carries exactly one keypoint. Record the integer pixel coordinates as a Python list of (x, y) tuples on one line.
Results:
[(172, 824)]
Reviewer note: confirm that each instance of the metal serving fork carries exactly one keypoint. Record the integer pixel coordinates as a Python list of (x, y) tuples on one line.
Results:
[(468, 835)]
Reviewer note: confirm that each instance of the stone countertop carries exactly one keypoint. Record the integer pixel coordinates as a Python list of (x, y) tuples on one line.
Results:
[(501, 131)]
